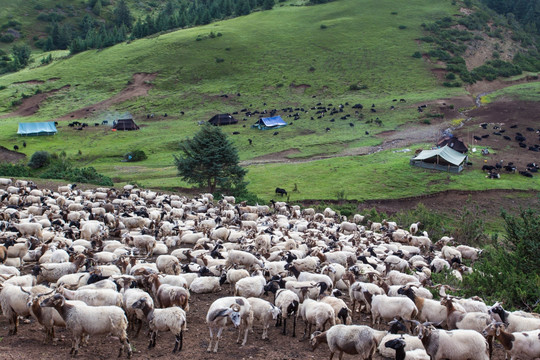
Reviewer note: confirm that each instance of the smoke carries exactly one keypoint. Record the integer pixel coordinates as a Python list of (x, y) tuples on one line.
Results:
[(111, 116)]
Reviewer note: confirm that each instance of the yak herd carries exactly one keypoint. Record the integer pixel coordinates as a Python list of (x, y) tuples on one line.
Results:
[(111, 261)]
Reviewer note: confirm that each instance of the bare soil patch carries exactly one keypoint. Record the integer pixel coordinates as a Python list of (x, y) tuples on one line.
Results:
[(139, 86), (10, 156), (30, 82), (31, 104), (506, 118)]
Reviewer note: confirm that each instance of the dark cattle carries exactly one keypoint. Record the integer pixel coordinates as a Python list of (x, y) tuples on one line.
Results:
[(530, 129), (372, 105), (236, 133), (493, 175), (104, 122), (526, 174), (510, 168), (522, 145), (24, 144), (281, 191), (327, 129), (15, 147), (250, 142), (533, 148), (485, 136), (477, 138), (520, 138), (275, 133), (488, 168), (332, 120), (367, 132), (358, 106), (507, 137), (351, 124), (420, 109), (96, 124), (402, 100), (497, 133), (373, 110), (483, 126), (394, 99)]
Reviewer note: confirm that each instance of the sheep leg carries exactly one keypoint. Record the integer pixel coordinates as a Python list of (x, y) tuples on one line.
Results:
[(211, 340), (265, 332), (152, 340), (75, 347), (218, 337), (179, 342), (139, 326), (284, 332), (124, 341), (15, 321), (294, 327)]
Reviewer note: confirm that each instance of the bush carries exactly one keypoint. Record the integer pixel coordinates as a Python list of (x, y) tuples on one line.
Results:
[(63, 169), (402, 27), (220, 60), (135, 155), (417, 54), (39, 159), (323, 26), (450, 76), (14, 170), (7, 38), (355, 87)]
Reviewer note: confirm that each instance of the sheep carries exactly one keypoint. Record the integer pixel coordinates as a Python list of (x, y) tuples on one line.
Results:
[(145, 243), (468, 252), (244, 258), (309, 264), (171, 319), (47, 317), (52, 272), (233, 275), (399, 346), (90, 320), (237, 309), (250, 286), (130, 296), (288, 302), (514, 323), (176, 280), (168, 264), (207, 284), (454, 344), (90, 229), (341, 310), (30, 229), (318, 313), (93, 297), (388, 308), (451, 254), (168, 295), (456, 319), (264, 311), (518, 345), (363, 293), (397, 278), (429, 310), (350, 339), (413, 229), (411, 343), (14, 299), (308, 276)]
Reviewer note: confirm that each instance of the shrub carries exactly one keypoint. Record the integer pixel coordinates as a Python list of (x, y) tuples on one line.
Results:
[(15, 170), (450, 76), (417, 54), (220, 60), (355, 87), (7, 38), (135, 155), (39, 159), (402, 27), (323, 26)]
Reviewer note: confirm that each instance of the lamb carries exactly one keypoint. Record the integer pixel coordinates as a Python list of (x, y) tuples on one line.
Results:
[(242, 258), (413, 229), (237, 309), (250, 286), (90, 229), (411, 343), (207, 284), (350, 339), (399, 346), (363, 293), (171, 319), (518, 345), (454, 344), (83, 319), (388, 308), (318, 313), (288, 302), (264, 311)]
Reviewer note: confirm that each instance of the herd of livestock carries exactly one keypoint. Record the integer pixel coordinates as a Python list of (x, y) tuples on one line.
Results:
[(104, 260)]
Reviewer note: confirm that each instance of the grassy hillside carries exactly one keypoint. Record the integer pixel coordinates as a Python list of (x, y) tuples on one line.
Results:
[(293, 56)]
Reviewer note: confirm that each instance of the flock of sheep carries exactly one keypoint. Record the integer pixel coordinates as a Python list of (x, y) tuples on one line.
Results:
[(106, 261)]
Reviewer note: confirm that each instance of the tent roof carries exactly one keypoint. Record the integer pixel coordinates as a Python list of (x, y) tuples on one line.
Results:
[(454, 143), (37, 128), (273, 121), (448, 154), (222, 119)]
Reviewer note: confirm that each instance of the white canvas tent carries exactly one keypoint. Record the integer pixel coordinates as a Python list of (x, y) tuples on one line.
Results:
[(445, 159)]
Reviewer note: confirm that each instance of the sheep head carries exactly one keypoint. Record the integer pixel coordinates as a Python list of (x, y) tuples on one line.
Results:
[(55, 301)]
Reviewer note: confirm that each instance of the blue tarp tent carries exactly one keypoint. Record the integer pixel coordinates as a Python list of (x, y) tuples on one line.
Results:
[(268, 123), (38, 128), (445, 159)]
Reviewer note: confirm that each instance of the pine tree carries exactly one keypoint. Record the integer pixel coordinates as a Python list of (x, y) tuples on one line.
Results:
[(210, 159), (268, 4), (96, 9), (122, 15)]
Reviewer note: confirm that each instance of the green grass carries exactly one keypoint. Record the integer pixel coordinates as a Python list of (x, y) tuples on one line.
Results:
[(527, 92), (264, 54)]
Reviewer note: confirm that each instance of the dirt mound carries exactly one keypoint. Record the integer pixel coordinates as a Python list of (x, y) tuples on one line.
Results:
[(10, 156), (139, 86)]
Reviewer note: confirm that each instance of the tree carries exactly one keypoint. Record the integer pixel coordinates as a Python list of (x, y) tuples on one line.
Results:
[(21, 55), (122, 15), (210, 159), (268, 4)]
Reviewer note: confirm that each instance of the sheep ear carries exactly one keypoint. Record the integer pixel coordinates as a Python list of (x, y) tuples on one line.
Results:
[(498, 330)]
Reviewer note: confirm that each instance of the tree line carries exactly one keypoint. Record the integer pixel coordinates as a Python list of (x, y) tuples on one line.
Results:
[(526, 12)]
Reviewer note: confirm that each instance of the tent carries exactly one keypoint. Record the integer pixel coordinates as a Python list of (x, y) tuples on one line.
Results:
[(222, 119), (125, 124), (445, 159), (38, 128), (454, 143), (269, 123)]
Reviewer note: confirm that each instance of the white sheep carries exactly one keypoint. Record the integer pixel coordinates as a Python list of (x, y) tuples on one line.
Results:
[(454, 344), (233, 275), (388, 308), (350, 339), (51, 272), (399, 345), (168, 264), (237, 309), (243, 258), (514, 321), (93, 297), (316, 313), (14, 299), (264, 312), (523, 345), (91, 320), (252, 286), (411, 343), (206, 284), (171, 319)]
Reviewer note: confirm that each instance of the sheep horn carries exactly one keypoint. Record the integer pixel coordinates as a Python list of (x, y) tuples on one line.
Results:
[(44, 294), (24, 291)]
